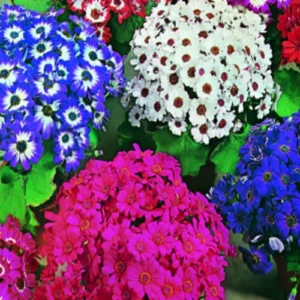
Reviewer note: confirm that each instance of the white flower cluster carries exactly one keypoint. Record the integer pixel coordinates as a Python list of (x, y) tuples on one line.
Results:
[(198, 65)]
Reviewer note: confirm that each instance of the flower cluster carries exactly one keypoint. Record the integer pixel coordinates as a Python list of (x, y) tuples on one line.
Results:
[(262, 6), (289, 25), (200, 63), (130, 229), (53, 82), (263, 201), (98, 12), (17, 262)]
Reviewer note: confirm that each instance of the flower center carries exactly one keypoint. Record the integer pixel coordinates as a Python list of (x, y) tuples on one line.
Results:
[(158, 239), (157, 106), (168, 290), (173, 79), (131, 199), (145, 278), (291, 221), (156, 169), (285, 179), (14, 34), (4, 73), (188, 247), (255, 259), (95, 13), (191, 72), (213, 289), (201, 110), (201, 237), (41, 48), (68, 248), (61, 73), (40, 30), (187, 286), (267, 176), (207, 88), (270, 220), (47, 110), (84, 225), (72, 116), (20, 284), (93, 56), (65, 138), (222, 123), (48, 84), (203, 129), (249, 196), (15, 100), (142, 58), (139, 247), (86, 76), (21, 146), (120, 267), (284, 148), (178, 102)]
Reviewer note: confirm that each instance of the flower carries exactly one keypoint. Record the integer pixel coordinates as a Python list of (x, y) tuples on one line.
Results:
[(291, 46), (190, 76), (53, 77), (239, 218), (257, 259), (131, 228)]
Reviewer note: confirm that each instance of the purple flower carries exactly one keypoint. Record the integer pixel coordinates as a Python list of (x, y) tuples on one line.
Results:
[(239, 219)]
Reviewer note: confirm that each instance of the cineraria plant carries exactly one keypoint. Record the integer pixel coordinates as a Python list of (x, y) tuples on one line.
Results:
[(53, 81), (99, 12), (17, 262), (130, 229), (262, 201), (198, 66)]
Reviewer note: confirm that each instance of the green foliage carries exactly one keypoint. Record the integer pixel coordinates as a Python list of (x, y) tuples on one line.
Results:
[(36, 5), (289, 101), (293, 260), (190, 154), (94, 138), (226, 155), (19, 192), (129, 71), (129, 135)]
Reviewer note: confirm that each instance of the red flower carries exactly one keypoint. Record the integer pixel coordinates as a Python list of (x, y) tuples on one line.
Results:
[(291, 48)]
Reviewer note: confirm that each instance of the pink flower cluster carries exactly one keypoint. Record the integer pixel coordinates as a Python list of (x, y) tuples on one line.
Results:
[(98, 12), (17, 262), (130, 229)]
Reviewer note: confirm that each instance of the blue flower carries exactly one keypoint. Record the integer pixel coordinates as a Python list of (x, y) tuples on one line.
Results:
[(239, 219), (49, 89), (248, 194), (224, 190), (13, 35), (70, 157), (65, 140), (266, 218), (95, 55), (23, 145), (288, 221), (41, 48), (283, 180), (41, 29), (265, 175), (257, 259)]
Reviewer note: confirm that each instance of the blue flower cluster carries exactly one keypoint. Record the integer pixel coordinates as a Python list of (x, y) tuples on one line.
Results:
[(53, 81), (263, 200)]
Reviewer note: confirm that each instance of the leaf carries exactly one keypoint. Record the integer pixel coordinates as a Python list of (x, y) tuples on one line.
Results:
[(289, 101), (12, 198), (226, 155), (39, 181), (94, 137), (128, 135), (190, 154), (293, 260), (129, 71), (40, 6), (31, 222)]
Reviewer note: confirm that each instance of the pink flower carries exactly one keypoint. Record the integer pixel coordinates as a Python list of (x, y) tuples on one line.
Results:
[(123, 291), (68, 245), (104, 186), (141, 247), (159, 233), (172, 288), (23, 287), (213, 289), (145, 278), (190, 282), (10, 265)]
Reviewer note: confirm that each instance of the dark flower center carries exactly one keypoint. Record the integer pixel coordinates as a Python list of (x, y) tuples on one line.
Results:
[(41, 48), (4, 74), (120, 267), (157, 106), (40, 30), (110, 64), (249, 196), (285, 179), (284, 148), (48, 84), (267, 176), (61, 73), (47, 110), (65, 138), (72, 116), (93, 55), (291, 221), (20, 284), (270, 220), (14, 34), (86, 75), (21, 146), (240, 218), (255, 259), (15, 100)]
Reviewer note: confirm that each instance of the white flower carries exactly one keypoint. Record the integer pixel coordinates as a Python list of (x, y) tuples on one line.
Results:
[(224, 124), (155, 108), (200, 111), (264, 107), (178, 102), (177, 126), (136, 114), (96, 12), (203, 133)]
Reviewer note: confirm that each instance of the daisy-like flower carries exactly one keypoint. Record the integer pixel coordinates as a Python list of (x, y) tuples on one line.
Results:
[(8, 72), (13, 34), (66, 139), (200, 68), (48, 88), (41, 48), (93, 55), (22, 145), (136, 114), (41, 30), (96, 12), (72, 116)]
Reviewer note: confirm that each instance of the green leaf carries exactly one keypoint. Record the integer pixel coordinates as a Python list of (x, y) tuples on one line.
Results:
[(129, 71), (289, 101), (36, 5), (31, 222), (12, 198), (94, 138), (226, 155), (293, 260), (128, 135), (190, 154), (39, 181)]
